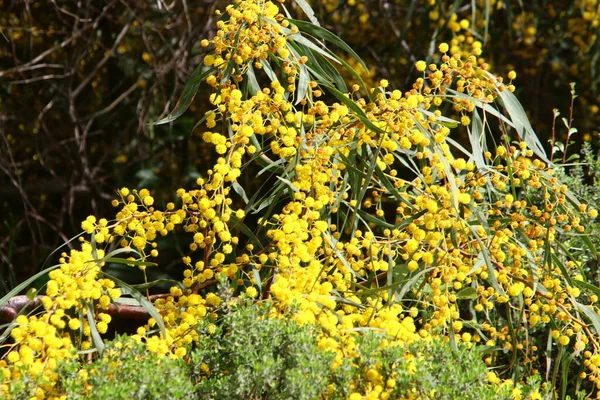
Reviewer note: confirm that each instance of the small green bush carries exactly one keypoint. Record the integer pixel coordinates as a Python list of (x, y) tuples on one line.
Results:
[(422, 370), (250, 356), (246, 355), (127, 371)]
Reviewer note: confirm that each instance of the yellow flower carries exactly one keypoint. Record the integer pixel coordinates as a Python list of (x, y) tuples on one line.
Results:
[(251, 292), (464, 198), (74, 323), (209, 60)]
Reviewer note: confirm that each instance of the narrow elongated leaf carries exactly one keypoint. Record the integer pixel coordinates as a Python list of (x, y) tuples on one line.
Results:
[(145, 286), (127, 289), (520, 121), (17, 289), (590, 313), (269, 71), (237, 223), (200, 122), (467, 293), (126, 301), (301, 39), (96, 338), (187, 96), (354, 107), (367, 217), (308, 11), (253, 85), (240, 190), (320, 66), (124, 261), (329, 37), (303, 81), (358, 78), (288, 183), (340, 257), (411, 282)]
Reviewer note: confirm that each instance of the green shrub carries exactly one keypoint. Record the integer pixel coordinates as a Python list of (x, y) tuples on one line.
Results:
[(126, 371), (248, 356), (423, 370), (251, 356)]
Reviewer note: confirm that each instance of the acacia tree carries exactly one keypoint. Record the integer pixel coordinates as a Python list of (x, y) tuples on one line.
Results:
[(367, 215)]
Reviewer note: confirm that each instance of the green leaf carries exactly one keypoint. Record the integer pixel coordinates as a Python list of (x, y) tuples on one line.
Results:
[(301, 39), (187, 96), (269, 71), (240, 190), (237, 223), (303, 81), (322, 68), (467, 293), (137, 263), (360, 114), (340, 256), (288, 183), (17, 289), (370, 218), (253, 85), (308, 11), (520, 121), (148, 285), (590, 313), (148, 306), (411, 282), (96, 338), (328, 36), (201, 121)]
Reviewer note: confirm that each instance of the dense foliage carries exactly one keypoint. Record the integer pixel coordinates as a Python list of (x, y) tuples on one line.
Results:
[(245, 355), (79, 84), (432, 217)]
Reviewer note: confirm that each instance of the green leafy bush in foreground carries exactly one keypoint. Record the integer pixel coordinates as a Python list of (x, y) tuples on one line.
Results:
[(246, 355), (251, 356), (125, 371)]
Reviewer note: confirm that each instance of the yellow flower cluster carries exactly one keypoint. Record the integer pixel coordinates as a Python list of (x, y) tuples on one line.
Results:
[(41, 341), (247, 38)]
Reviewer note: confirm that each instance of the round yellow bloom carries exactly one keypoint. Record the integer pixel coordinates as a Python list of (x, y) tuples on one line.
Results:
[(251, 292), (321, 226), (464, 198), (209, 60), (74, 323), (443, 47), (420, 66), (564, 340)]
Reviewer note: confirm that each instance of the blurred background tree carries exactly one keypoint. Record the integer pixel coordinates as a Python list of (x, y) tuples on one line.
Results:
[(80, 83)]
